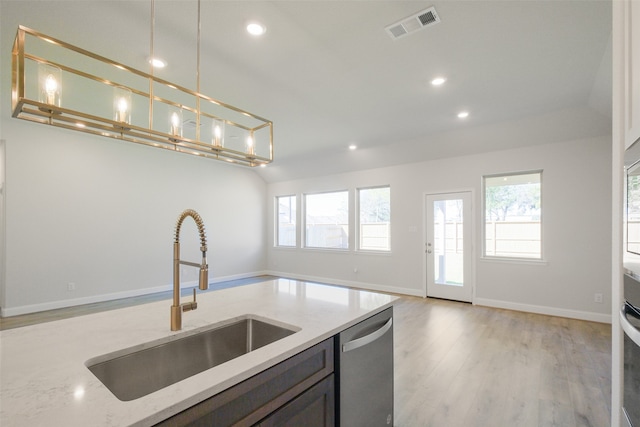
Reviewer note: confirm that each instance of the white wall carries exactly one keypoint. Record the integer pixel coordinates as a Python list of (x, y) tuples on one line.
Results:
[(100, 213), (576, 229)]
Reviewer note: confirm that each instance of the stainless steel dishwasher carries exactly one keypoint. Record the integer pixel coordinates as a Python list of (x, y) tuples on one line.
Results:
[(364, 361)]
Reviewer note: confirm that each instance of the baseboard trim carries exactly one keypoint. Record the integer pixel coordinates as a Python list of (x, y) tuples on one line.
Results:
[(348, 283), (550, 311), (53, 305)]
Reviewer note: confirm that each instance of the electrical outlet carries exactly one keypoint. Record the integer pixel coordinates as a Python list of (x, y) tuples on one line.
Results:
[(71, 286), (597, 298)]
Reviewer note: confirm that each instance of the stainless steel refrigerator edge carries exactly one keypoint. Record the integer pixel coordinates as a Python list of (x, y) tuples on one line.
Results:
[(364, 361)]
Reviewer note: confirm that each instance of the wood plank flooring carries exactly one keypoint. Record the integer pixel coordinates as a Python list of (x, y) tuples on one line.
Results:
[(462, 365)]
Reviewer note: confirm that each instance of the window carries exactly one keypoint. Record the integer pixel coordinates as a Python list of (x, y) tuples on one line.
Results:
[(512, 215), (286, 224), (374, 216), (327, 220)]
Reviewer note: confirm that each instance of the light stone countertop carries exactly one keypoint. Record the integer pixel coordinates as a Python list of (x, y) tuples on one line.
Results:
[(44, 380)]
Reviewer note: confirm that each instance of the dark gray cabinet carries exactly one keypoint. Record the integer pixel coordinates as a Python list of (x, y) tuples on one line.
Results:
[(313, 408), (299, 388)]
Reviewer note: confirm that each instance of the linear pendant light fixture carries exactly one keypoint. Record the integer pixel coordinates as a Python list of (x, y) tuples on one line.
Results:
[(104, 97)]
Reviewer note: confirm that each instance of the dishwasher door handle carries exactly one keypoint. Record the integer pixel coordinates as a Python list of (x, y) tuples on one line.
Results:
[(368, 339), (627, 327)]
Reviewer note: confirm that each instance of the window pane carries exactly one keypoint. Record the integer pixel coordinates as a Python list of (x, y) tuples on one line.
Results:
[(448, 242), (375, 217), (286, 234), (513, 212), (327, 220)]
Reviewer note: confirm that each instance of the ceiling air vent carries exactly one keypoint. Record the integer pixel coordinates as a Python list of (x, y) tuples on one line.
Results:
[(190, 124), (415, 22)]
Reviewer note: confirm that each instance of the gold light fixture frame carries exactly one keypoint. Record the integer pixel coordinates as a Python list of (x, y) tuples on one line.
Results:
[(24, 107)]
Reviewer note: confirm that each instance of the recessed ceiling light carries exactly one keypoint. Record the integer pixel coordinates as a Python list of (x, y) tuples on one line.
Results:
[(256, 29), (463, 114), (353, 147), (157, 63), (438, 81)]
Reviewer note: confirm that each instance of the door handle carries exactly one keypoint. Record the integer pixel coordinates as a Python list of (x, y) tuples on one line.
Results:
[(428, 251), (367, 339)]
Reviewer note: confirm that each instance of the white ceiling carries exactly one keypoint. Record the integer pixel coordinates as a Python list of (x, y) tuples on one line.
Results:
[(328, 74)]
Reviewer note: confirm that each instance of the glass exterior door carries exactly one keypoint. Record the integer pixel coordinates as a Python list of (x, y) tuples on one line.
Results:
[(448, 246)]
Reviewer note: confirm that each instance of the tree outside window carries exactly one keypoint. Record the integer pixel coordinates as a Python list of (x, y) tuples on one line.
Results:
[(512, 215)]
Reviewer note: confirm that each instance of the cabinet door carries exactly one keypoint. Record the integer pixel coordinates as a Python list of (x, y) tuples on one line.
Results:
[(252, 400), (313, 408), (632, 71)]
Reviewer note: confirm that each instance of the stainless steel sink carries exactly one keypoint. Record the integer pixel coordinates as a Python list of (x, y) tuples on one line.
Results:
[(143, 369)]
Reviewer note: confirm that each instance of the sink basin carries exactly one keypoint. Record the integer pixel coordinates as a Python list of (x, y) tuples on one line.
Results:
[(143, 369)]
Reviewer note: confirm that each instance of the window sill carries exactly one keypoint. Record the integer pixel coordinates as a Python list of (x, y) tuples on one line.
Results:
[(514, 260), (374, 253), (333, 250)]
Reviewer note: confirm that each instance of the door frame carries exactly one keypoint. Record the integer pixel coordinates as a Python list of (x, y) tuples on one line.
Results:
[(474, 234)]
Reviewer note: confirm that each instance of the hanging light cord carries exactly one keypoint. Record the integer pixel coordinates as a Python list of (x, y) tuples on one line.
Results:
[(198, 53), (198, 76), (153, 23)]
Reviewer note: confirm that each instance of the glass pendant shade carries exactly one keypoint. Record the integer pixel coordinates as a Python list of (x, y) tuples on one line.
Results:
[(175, 121), (49, 84), (122, 103), (218, 133)]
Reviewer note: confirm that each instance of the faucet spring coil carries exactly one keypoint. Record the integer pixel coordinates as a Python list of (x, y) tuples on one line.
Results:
[(199, 223)]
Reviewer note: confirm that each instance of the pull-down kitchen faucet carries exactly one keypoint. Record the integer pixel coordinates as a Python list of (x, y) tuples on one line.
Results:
[(203, 283)]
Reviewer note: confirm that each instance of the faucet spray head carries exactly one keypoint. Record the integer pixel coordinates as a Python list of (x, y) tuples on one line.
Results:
[(203, 283)]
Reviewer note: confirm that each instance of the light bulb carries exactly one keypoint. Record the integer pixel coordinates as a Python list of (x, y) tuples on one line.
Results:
[(218, 133), (250, 147), (175, 120), (123, 106), (51, 87)]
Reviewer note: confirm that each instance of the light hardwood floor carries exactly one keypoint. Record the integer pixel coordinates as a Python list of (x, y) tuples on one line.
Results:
[(462, 365)]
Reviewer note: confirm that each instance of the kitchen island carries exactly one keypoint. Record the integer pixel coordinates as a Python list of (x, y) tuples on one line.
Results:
[(44, 380)]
